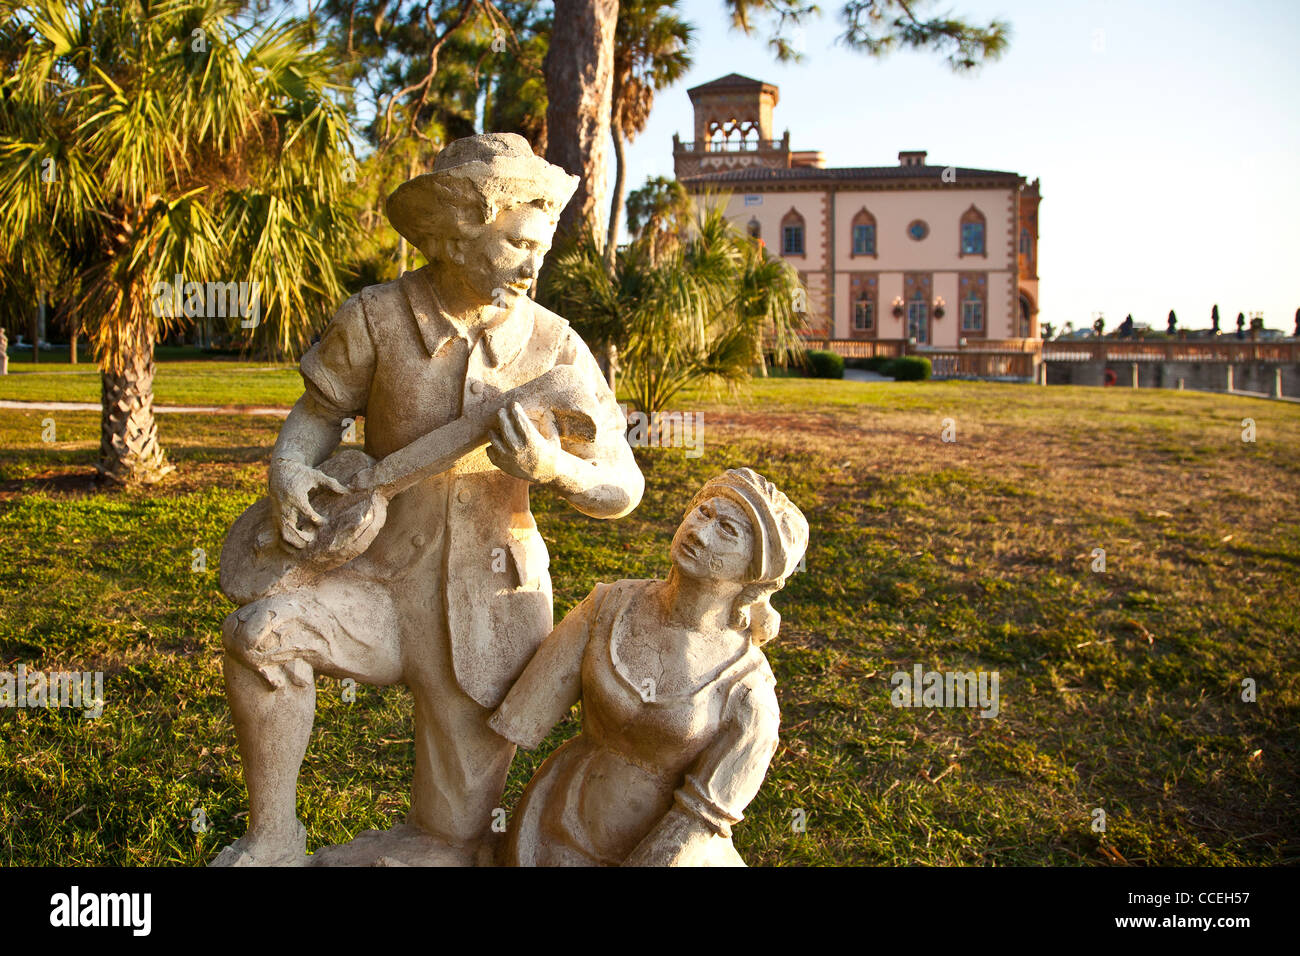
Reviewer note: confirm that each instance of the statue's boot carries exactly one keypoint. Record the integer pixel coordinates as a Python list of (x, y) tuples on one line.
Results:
[(239, 853)]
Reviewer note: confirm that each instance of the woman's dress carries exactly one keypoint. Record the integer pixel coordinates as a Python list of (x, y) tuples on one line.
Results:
[(639, 753)]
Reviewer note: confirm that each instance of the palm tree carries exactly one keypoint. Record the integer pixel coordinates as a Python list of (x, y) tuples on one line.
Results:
[(651, 52), (700, 309), (660, 212), (182, 144)]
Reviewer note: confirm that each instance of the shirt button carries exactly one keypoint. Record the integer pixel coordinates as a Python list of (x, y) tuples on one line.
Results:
[(476, 387), (464, 495), (417, 539)]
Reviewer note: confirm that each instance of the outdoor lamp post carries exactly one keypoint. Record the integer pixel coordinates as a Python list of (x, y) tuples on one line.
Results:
[(938, 307), (898, 306)]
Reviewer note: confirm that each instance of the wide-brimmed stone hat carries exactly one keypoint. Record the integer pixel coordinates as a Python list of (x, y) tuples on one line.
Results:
[(504, 171)]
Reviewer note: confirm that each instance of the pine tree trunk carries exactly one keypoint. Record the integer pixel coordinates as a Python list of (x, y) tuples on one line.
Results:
[(128, 444), (579, 68)]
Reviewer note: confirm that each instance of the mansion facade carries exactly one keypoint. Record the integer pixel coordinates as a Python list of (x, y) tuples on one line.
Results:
[(914, 251)]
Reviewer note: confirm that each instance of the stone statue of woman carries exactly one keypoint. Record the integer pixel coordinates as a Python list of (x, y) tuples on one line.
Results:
[(679, 710)]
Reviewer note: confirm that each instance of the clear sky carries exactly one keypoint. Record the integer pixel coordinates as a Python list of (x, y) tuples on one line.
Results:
[(1166, 136)]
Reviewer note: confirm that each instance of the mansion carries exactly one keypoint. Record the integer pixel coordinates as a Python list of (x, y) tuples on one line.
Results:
[(914, 251)]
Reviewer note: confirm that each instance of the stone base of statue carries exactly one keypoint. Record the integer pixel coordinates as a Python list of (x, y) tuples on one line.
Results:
[(403, 845)]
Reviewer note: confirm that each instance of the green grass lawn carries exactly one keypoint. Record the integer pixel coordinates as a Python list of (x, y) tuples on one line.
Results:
[(1118, 690), (193, 382)]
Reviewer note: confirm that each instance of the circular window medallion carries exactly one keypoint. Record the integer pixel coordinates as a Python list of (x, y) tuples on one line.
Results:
[(918, 230)]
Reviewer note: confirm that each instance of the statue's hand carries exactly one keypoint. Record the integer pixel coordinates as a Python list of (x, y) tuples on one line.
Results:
[(291, 483), (520, 449)]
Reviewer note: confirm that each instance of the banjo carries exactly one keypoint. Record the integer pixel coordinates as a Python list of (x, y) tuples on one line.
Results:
[(256, 562)]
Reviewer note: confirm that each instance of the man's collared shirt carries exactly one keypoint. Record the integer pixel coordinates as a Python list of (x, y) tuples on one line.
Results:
[(392, 355)]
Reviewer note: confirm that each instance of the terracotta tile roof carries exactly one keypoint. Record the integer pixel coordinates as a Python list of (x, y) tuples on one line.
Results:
[(730, 81)]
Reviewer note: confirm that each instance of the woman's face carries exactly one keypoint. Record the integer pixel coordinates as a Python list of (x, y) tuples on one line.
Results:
[(715, 541)]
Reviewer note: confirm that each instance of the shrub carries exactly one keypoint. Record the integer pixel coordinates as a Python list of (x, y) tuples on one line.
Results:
[(825, 364), (911, 368)]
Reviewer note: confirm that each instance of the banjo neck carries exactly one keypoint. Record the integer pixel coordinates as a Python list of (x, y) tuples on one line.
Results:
[(559, 390)]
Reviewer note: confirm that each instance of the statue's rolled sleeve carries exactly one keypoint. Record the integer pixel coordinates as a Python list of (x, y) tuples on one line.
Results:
[(613, 486), (728, 774), (338, 369), (552, 682)]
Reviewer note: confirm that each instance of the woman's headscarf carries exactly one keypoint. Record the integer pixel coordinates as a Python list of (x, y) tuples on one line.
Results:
[(780, 539)]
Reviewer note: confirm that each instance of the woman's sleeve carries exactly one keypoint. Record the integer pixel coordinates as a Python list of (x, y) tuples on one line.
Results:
[(727, 775), (552, 681)]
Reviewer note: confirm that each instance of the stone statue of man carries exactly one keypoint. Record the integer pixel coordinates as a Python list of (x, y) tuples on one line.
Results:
[(453, 596)]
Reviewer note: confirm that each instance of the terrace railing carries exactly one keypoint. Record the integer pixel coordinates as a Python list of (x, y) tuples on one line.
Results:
[(1011, 364), (732, 145), (859, 348), (1173, 350)]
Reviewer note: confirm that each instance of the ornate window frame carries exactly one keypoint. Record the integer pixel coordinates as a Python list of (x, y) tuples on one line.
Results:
[(973, 290), (794, 219), (970, 217), (864, 218), (864, 287), (918, 294)]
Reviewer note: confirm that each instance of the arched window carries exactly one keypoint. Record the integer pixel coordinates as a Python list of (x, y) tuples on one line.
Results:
[(972, 313), (918, 288), (864, 315), (972, 232), (862, 304), (1024, 242), (972, 291), (918, 318), (864, 234), (792, 234)]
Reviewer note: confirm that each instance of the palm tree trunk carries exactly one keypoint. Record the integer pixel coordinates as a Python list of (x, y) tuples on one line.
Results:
[(34, 327), (610, 364), (128, 444), (579, 85), (616, 204)]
